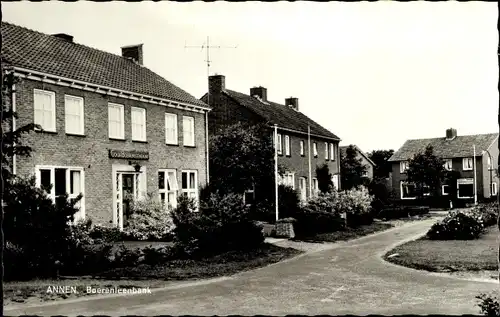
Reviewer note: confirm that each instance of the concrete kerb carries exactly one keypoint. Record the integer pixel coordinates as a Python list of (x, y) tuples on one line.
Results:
[(381, 255)]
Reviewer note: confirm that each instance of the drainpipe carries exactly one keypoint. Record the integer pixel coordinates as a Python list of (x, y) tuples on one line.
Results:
[(13, 99), (276, 170), (206, 145), (309, 158), (474, 165)]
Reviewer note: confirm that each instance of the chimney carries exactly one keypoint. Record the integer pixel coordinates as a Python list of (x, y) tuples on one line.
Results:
[(293, 103), (65, 37), (216, 84), (133, 52), (260, 92), (451, 134)]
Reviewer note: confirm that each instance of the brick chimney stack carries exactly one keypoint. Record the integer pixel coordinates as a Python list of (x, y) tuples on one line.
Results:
[(133, 52), (293, 103), (260, 92), (451, 134)]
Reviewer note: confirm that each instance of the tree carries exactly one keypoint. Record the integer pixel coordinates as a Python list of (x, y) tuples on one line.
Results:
[(241, 156), (352, 170), (382, 165), (426, 170), (324, 178)]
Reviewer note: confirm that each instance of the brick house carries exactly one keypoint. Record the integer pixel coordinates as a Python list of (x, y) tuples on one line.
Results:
[(113, 130), (230, 107), (458, 153), (365, 160)]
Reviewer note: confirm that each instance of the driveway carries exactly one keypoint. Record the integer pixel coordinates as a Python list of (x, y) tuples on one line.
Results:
[(346, 278)]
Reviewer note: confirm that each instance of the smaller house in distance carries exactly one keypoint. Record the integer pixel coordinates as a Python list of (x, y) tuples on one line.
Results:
[(302, 144), (365, 160), (457, 151)]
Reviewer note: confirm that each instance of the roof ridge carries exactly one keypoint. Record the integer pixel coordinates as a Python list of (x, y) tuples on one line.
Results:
[(74, 43), (458, 136)]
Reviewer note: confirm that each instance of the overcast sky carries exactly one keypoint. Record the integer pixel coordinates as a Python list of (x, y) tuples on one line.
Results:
[(375, 73)]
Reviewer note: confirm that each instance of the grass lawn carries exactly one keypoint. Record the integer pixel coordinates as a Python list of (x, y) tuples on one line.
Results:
[(152, 276), (450, 255), (350, 233)]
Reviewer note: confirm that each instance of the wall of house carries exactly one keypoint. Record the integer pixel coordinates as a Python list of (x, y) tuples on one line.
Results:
[(457, 165), (369, 166), (299, 164), (91, 151), (490, 175)]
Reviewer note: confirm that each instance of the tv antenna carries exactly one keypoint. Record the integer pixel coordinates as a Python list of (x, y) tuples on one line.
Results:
[(206, 46)]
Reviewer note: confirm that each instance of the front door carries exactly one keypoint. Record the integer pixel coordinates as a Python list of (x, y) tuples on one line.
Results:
[(302, 188), (128, 196)]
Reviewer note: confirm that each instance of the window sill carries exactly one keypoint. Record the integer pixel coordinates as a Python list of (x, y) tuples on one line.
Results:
[(139, 141), (76, 134), (190, 146), (117, 139), (46, 131), (172, 144), (288, 155), (467, 170)]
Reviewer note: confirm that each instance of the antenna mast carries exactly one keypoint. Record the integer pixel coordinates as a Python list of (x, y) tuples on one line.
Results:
[(208, 47)]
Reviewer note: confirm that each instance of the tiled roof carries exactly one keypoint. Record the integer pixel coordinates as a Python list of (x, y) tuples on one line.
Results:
[(48, 54), (344, 148), (283, 116), (461, 146)]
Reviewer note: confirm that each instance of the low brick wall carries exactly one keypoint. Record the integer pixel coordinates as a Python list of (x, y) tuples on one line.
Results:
[(285, 230)]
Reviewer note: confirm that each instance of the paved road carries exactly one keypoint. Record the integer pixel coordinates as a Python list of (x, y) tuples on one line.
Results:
[(349, 278)]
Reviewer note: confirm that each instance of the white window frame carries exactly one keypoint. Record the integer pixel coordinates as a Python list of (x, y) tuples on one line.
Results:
[(175, 140), (52, 96), (315, 149), (79, 215), (401, 183), (489, 163), (302, 148), (173, 188), (493, 189), (315, 187), (67, 125), (286, 179), (190, 190), (332, 152), (448, 164), (121, 108), (465, 164), (326, 151), (141, 113), (403, 166), (442, 190), (190, 122), (287, 145), (470, 182), (249, 191), (303, 191), (280, 144), (335, 181)]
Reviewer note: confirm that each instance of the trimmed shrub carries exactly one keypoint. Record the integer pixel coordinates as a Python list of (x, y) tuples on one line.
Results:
[(457, 225), (150, 220), (288, 202), (319, 215), (356, 203), (489, 305), (488, 213), (106, 234), (37, 226), (222, 224), (126, 257)]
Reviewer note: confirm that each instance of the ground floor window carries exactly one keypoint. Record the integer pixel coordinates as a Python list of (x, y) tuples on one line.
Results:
[(315, 188), (426, 190), (303, 188), (288, 179), (465, 188), (445, 190), (167, 187), (58, 181), (408, 190), (190, 184), (335, 181), (493, 189), (249, 196)]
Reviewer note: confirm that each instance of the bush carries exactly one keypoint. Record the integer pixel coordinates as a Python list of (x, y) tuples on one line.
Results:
[(150, 220), (288, 202), (356, 203), (104, 234), (489, 305), (488, 213), (457, 226), (37, 226), (126, 257), (319, 215), (154, 255), (222, 224)]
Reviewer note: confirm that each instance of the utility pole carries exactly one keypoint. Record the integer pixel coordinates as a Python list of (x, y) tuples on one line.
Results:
[(207, 47)]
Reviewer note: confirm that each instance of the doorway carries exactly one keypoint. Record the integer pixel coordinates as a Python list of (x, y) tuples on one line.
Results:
[(127, 185)]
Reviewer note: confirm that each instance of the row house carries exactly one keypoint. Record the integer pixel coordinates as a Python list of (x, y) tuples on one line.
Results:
[(457, 151), (362, 157), (112, 129), (302, 144)]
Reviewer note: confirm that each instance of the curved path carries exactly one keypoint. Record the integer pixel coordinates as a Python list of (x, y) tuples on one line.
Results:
[(347, 278)]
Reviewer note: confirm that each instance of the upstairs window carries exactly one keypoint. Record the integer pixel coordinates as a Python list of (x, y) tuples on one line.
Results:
[(332, 152), (287, 145), (403, 166), (45, 109), (280, 145), (315, 149), (138, 119), (171, 129), (467, 163), (326, 150), (73, 115), (116, 121), (448, 165), (302, 150), (188, 130)]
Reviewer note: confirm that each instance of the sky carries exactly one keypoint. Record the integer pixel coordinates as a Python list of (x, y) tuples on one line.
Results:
[(373, 73)]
